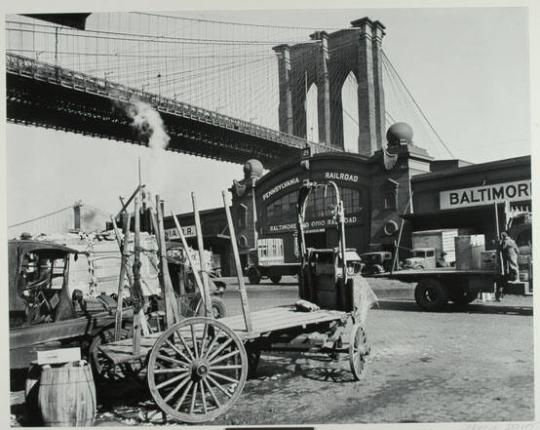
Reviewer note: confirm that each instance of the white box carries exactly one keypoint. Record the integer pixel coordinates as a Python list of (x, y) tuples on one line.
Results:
[(57, 356)]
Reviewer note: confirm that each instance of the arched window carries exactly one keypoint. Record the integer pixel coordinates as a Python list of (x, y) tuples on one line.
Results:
[(284, 209), (389, 192), (312, 114)]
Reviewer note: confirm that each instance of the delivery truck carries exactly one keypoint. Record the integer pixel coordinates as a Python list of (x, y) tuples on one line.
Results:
[(472, 273), (270, 262)]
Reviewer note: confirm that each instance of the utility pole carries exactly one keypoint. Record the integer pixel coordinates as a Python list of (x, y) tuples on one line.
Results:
[(56, 51), (56, 46)]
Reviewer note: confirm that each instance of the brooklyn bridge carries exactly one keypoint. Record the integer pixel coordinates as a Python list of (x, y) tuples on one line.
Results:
[(227, 91)]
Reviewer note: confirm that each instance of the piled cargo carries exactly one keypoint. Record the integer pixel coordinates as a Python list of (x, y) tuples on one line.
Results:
[(441, 240), (469, 251), (488, 260), (97, 267)]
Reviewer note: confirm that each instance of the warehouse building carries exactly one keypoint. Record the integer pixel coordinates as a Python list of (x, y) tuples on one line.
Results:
[(401, 188)]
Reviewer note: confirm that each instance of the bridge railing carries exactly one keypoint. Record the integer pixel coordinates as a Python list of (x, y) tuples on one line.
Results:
[(25, 66)]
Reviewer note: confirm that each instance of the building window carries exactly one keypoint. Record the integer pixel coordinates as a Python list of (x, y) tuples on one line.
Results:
[(389, 192), (241, 216), (284, 209), (390, 199)]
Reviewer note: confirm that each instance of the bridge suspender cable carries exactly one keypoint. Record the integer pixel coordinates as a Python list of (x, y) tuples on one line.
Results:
[(417, 105)]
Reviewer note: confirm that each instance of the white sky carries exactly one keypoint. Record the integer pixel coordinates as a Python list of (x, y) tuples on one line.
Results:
[(467, 68)]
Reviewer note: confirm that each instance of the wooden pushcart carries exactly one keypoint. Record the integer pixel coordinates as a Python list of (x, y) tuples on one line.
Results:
[(197, 368)]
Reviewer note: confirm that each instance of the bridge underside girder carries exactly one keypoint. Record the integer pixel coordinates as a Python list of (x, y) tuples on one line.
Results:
[(39, 103)]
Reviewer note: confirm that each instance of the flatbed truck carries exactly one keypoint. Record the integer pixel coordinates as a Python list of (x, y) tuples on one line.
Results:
[(436, 287)]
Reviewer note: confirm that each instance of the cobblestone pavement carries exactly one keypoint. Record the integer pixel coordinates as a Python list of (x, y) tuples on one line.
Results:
[(470, 363)]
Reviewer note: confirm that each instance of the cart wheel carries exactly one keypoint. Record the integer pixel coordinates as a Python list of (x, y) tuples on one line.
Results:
[(103, 369), (218, 308), (358, 349), (253, 351), (197, 370)]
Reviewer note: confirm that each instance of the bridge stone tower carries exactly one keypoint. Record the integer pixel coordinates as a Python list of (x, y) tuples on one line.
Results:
[(326, 61)]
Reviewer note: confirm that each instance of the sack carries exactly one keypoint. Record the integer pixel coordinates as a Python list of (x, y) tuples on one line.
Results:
[(364, 298), (305, 306)]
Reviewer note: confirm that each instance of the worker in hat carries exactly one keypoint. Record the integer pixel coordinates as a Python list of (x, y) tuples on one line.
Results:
[(442, 261), (508, 251)]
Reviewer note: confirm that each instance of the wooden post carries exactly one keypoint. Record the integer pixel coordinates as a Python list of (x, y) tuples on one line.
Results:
[(198, 280), (396, 253), (171, 305), (124, 250), (126, 204), (498, 233), (138, 298), (240, 275), (202, 261), (119, 241)]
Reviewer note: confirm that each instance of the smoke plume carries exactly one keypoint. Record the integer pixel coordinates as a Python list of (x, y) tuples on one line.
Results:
[(149, 125)]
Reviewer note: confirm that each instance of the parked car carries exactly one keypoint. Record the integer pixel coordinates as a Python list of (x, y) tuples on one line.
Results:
[(376, 262)]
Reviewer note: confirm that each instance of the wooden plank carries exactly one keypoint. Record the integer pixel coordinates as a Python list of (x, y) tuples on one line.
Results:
[(239, 272), (202, 260), (125, 357), (123, 246), (171, 305), (282, 319), (137, 290)]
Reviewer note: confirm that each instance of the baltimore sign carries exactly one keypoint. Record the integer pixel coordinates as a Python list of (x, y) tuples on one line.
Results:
[(486, 194)]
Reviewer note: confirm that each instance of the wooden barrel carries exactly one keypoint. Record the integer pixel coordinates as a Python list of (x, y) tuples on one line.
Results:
[(67, 395), (31, 391)]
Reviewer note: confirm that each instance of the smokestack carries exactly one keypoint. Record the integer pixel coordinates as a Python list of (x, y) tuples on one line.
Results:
[(77, 215)]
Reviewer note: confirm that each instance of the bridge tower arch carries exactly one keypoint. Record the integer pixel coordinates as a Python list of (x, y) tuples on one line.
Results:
[(326, 61)]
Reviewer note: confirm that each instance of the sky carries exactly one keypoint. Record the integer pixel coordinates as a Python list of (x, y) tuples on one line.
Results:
[(466, 67)]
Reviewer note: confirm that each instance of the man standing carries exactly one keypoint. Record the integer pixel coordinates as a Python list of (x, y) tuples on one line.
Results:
[(510, 251), (509, 255)]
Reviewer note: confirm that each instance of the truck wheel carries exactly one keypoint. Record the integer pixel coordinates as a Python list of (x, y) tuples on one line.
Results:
[(431, 295), (275, 279), (254, 275), (464, 296)]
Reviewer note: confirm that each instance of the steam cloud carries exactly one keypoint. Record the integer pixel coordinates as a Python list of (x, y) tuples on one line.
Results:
[(148, 123)]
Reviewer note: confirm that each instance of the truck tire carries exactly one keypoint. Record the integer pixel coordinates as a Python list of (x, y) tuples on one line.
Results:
[(431, 295), (464, 296), (275, 279), (254, 275)]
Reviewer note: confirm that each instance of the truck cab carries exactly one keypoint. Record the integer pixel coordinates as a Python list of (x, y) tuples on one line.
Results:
[(422, 258), (38, 282)]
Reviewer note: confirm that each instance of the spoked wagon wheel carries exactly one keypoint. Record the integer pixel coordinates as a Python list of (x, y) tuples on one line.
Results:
[(104, 370), (358, 349), (197, 370)]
